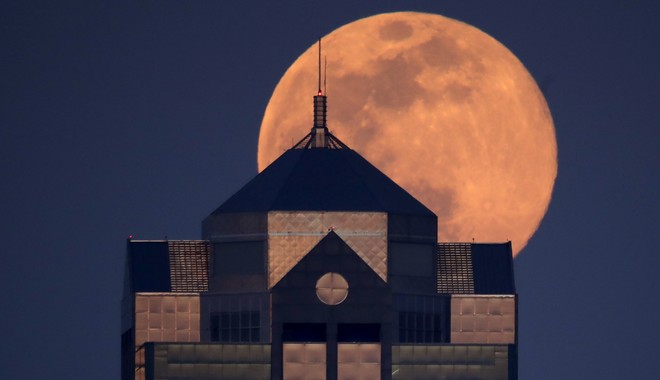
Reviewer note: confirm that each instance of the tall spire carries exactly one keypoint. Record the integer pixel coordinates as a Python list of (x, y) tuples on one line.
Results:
[(320, 113), (320, 137), (320, 92)]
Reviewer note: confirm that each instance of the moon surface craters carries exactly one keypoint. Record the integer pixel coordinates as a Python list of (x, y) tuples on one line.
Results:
[(439, 106), (395, 31)]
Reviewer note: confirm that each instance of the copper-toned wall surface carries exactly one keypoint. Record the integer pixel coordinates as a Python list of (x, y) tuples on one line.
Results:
[(292, 234), (358, 361), (483, 319), (304, 361), (165, 317)]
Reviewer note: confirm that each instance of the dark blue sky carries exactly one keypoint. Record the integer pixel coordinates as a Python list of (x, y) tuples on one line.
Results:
[(141, 117)]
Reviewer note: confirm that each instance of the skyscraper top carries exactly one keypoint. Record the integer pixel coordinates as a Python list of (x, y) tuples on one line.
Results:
[(322, 179), (319, 136)]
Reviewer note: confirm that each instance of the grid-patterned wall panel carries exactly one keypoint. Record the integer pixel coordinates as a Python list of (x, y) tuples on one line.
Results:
[(455, 361), (164, 317), (189, 265), (483, 319), (304, 361), (455, 275), (291, 235), (209, 361), (371, 248), (358, 361)]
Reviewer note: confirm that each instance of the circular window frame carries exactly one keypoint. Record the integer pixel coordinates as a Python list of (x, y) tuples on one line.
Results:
[(332, 289)]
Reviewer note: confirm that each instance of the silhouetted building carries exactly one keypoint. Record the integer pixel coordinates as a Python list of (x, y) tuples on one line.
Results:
[(321, 267)]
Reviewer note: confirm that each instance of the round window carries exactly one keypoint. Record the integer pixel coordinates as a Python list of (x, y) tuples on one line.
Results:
[(332, 288)]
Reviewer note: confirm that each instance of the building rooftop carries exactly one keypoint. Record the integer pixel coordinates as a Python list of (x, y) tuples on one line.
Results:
[(475, 268), (322, 180), (168, 266)]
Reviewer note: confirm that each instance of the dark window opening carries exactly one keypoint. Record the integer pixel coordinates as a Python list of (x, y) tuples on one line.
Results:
[(239, 257), (358, 332), (304, 332), (420, 327), (240, 326)]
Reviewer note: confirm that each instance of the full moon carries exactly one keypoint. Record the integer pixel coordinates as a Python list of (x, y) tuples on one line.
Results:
[(439, 106)]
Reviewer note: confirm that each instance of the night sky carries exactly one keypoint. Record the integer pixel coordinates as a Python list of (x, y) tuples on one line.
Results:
[(141, 117)]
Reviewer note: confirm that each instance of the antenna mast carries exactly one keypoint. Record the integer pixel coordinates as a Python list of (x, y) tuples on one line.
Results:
[(319, 136), (320, 92), (320, 130)]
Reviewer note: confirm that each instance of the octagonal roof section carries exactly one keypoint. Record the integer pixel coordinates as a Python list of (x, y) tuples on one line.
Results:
[(322, 180)]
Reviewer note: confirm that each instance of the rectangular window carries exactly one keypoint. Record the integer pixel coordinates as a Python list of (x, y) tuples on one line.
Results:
[(215, 329), (358, 332), (420, 327), (304, 332), (233, 327), (239, 257)]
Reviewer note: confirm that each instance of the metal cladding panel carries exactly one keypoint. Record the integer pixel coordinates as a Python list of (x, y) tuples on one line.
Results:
[(235, 227), (358, 361), (165, 317), (413, 228), (208, 361), (483, 319), (304, 361), (478, 362), (291, 235)]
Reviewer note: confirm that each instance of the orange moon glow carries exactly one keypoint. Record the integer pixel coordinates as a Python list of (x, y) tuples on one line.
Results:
[(442, 108)]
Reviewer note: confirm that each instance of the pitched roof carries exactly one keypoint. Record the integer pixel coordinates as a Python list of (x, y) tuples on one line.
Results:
[(492, 265), (322, 180), (167, 266), (475, 268)]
